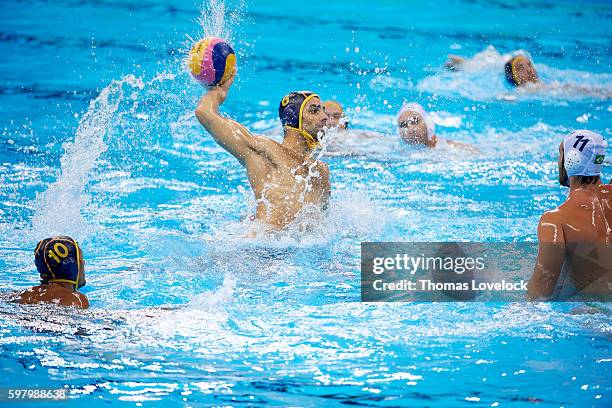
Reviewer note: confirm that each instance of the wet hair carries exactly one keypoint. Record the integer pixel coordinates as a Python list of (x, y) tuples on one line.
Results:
[(509, 75), (582, 180)]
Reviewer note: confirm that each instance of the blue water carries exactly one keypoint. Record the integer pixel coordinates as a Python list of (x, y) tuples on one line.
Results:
[(99, 141)]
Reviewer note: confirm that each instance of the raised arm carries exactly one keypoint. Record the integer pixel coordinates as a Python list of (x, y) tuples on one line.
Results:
[(551, 256), (229, 134)]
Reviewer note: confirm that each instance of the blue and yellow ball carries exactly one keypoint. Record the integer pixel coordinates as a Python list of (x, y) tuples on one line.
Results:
[(211, 61)]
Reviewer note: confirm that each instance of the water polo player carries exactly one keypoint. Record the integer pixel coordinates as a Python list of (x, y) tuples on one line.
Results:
[(415, 126), (60, 263), (519, 69), (353, 142), (575, 252), (285, 177), (337, 118)]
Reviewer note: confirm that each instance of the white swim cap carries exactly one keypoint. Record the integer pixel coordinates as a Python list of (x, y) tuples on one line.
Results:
[(415, 107), (583, 153)]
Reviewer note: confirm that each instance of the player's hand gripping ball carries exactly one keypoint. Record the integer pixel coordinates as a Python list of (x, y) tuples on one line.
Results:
[(211, 61)]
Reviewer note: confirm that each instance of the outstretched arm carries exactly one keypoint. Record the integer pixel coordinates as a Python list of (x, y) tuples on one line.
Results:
[(229, 134), (465, 146), (551, 256)]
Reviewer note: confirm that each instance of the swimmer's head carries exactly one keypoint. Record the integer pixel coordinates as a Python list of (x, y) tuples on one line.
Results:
[(415, 126), (59, 259), (303, 111), (336, 115), (520, 70), (581, 155)]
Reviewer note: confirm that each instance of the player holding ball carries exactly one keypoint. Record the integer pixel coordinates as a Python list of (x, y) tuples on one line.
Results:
[(285, 177)]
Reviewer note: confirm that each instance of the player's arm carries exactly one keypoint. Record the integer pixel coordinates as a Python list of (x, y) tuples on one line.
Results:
[(230, 135), (454, 62), (465, 146), (551, 256)]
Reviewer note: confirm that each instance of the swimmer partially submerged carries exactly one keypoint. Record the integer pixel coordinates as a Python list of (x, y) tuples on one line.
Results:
[(344, 141), (337, 119), (285, 177), (521, 74), (60, 263), (416, 127), (519, 70), (575, 240)]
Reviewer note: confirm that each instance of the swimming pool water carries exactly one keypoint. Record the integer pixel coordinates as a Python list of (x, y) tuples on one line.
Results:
[(99, 141)]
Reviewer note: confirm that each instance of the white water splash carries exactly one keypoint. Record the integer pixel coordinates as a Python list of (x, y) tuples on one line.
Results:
[(216, 21), (58, 210), (214, 299), (350, 214)]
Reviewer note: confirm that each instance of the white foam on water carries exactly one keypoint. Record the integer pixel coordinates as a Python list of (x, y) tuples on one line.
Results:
[(216, 298), (446, 119), (350, 214)]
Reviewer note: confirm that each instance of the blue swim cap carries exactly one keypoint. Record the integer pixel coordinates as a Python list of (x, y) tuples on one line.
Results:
[(59, 259), (290, 112)]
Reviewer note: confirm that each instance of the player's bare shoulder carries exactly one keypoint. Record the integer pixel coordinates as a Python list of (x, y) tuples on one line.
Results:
[(270, 146), (79, 300), (605, 195), (606, 190), (553, 217)]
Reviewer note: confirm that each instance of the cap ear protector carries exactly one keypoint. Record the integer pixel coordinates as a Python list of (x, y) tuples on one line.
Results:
[(59, 259), (291, 113), (510, 69)]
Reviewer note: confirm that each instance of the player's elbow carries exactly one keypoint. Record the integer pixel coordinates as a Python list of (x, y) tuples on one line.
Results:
[(203, 114), (206, 111)]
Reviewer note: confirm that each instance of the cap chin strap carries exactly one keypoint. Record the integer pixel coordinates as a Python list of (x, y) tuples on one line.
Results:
[(76, 286), (311, 141)]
